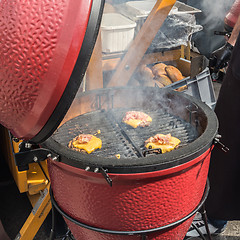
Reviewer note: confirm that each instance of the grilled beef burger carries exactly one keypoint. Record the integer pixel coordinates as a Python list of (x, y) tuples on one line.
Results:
[(85, 143), (166, 142), (137, 119)]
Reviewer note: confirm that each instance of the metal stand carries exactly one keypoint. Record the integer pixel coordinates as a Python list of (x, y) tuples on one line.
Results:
[(204, 217), (203, 212), (141, 233)]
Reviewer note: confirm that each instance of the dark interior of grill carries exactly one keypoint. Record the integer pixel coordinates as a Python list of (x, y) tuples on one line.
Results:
[(120, 138)]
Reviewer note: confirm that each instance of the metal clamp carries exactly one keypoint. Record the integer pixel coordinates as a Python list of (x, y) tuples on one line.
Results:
[(191, 111), (152, 151), (105, 175), (219, 144)]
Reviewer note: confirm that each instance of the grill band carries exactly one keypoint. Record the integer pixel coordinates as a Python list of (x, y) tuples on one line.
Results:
[(139, 232)]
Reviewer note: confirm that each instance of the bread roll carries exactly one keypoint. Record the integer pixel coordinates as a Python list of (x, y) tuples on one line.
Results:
[(180, 89), (159, 84), (173, 73), (165, 80), (159, 69), (149, 83), (145, 73)]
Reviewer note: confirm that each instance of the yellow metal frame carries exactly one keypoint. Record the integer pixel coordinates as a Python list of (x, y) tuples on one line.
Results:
[(31, 181), (41, 207)]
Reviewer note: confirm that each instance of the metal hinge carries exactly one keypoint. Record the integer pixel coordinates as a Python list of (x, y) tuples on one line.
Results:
[(22, 159)]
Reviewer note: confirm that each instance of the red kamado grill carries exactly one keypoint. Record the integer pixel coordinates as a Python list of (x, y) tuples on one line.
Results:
[(141, 195), (149, 191)]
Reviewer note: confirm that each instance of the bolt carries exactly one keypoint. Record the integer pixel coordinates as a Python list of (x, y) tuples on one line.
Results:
[(35, 159), (28, 145), (218, 136), (87, 168), (96, 170), (127, 67)]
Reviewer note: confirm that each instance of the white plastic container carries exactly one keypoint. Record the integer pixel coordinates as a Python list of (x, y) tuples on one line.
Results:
[(141, 8), (117, 32), (138, 11)]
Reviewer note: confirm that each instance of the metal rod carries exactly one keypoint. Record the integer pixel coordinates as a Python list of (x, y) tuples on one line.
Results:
[(53, 228), (191, 112), (204, 216), (40, 165), (199, 232)]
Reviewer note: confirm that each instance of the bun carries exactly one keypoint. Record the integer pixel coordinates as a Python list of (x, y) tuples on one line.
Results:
[(165, 80), (159, 84), (159, 69), (145, 73), (173, 73)]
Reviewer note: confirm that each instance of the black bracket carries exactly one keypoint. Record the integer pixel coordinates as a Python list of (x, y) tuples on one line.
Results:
[(106, 176), (152, 151), (219, 144), (22, 159)]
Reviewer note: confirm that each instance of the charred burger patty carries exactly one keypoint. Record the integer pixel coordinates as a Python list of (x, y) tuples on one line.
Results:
[(137, 119), (166, 142), (85, 143)]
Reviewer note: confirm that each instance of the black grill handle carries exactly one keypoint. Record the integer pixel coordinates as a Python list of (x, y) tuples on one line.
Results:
[(105, 175), (219, 144)]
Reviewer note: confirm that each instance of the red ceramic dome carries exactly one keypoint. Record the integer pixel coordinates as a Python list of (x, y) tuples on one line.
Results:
[(45, 48)]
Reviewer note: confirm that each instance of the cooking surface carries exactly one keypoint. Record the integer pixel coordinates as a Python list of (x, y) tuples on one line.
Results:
[(119, 138)]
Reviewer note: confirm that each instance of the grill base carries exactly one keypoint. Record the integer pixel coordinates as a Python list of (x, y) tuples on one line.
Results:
[(133, 203)]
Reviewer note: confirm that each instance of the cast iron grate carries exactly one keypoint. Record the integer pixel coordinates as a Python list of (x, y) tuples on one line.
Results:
[(119, 138)]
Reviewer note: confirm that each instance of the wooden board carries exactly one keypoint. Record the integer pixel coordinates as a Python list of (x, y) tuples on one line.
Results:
[(141, 43)]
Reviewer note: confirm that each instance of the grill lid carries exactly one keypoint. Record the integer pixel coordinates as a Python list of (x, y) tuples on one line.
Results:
[(45, 49)]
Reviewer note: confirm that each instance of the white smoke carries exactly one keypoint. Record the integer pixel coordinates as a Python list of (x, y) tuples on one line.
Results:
[(215, 11), (212, 19)]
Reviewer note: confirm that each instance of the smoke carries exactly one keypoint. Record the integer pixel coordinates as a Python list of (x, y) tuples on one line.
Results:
[(214, 12), (211, 19)]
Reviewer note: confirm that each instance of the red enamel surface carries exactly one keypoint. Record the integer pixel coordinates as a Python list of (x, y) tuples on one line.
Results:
[(232, 16), (134, 202), (40, 43)]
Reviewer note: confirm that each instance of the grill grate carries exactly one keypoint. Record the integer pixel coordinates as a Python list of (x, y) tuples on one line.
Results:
[(114, 140)]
